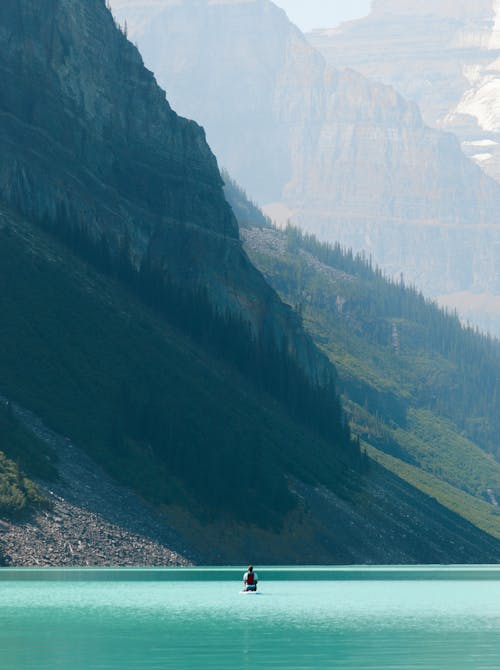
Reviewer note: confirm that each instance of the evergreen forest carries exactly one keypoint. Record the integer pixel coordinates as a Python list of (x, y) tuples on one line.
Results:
[(420, 388)]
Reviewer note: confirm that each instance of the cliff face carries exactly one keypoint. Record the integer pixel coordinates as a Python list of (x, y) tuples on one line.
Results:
[(89, 143), (443, 55), (100, 113), (345, 157), (446, 57), (288, 127), (220, 63)]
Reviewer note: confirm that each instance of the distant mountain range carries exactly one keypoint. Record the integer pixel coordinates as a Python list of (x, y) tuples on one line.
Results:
[(442, 55), (341, 155), (445, 57)]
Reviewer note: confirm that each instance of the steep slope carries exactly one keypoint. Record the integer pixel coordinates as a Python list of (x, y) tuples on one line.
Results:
[(164, 417), (92, 150), (419, 389), (341, 156), (193, 425), (99, 159), (84, 517), (135, 327), (441, 55), (93, 154)]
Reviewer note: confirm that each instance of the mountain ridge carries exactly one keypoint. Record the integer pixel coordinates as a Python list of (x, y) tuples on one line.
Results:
[(116, 169), (448, 63)]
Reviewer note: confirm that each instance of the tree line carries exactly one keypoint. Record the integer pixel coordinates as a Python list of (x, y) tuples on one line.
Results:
[(472, 389), (265, 363)]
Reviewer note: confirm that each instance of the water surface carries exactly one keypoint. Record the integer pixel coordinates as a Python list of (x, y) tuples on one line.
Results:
[(411, 618)]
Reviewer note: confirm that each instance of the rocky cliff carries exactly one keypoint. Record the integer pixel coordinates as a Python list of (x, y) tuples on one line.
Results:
[(91, 147), (343, 156), (442, 55), (445, 57)]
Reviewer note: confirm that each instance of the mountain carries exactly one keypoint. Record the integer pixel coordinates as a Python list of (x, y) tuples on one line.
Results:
[(419, 389), (445, 57), (342, 156), (180, 428), (93, 154), (93, 150), (441, 55), (139, 344)]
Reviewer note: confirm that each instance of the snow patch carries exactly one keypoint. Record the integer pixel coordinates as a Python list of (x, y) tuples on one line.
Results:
[(479, 158), (493, 68), (479, 143), (483, 103), (473, 73), (494, 42)]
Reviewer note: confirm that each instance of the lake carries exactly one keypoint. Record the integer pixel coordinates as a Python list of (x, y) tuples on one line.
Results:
[(302, 618)]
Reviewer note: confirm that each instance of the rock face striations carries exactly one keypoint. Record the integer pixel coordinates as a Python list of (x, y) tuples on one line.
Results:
[(445, 57), (91, 147), (442, 55), (345, 157)]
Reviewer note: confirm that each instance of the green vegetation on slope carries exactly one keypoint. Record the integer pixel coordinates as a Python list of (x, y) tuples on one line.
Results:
[(18, 494), (89, 357), (417, 386), (478, 512), (20, 453), (450, 369), (265, 360), (247, 212)]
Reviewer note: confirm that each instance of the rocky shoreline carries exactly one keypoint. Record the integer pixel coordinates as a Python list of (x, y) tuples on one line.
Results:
[(91, 521)]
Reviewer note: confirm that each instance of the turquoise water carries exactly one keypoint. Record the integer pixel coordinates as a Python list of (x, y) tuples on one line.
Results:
[(301, 619)]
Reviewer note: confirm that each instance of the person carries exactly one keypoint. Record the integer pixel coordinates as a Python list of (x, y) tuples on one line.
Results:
[(250, 579)]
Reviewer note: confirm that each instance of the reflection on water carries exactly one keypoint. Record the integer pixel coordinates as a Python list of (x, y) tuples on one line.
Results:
[(146, 622)]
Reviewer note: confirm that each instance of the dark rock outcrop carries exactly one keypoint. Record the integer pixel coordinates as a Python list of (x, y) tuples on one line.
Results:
[(89, 144)]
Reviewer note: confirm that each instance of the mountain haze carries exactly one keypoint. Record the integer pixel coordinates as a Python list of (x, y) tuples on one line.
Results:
[(445, 57), (345, 157), (441, 55)]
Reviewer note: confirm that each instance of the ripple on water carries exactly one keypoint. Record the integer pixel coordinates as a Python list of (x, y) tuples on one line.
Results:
[(300, 624)]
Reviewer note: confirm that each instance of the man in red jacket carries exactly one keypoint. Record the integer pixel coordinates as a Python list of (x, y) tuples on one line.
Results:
[(250, 579)]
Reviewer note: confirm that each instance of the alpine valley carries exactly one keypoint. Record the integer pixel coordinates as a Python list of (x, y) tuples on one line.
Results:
[(161, 400)]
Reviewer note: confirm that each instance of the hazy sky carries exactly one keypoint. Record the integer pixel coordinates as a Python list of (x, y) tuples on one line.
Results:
[(309, 14)]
